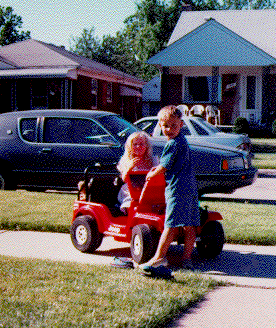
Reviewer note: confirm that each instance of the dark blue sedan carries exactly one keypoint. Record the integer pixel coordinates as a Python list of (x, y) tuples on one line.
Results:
[(50, 149)]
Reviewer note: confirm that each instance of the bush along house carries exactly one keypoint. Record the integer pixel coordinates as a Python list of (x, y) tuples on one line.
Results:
[(37, 75), (225, 59)]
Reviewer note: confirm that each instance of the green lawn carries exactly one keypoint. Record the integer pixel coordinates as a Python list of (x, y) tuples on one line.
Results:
[(39, 211), (264, 160), (252, 224), (36, 293), (264, 153), (23, 210)]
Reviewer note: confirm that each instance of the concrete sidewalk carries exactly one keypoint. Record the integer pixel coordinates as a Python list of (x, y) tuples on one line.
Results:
[(250, 302), (252, 270), (232, 307)]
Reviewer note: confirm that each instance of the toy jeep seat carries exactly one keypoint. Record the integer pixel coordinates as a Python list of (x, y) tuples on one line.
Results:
[(136, 181), (152, 198), (103, 190)]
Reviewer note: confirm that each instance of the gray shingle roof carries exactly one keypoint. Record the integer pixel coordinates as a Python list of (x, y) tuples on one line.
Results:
[(211, 44), (36, 54), (256, 26)]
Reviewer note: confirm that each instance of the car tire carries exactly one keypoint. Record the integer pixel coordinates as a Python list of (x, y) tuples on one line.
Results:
[(85, 234), (6, 184), (2, 182), (143, 243), (211, 240)]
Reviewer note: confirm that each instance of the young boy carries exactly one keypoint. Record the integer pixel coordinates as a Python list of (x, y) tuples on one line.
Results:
[(181, 191)]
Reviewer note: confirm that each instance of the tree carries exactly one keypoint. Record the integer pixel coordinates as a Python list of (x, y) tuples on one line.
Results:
[(86, 44), (148, 30), (10, 24), (113, 51)]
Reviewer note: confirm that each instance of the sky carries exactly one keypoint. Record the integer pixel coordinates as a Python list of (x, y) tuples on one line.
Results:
[(58, 21)]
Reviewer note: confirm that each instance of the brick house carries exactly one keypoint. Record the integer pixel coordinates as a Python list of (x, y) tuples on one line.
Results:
[(226, 59), (35, 74)]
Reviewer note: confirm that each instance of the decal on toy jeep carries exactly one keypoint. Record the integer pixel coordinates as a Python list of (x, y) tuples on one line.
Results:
[(114, 229)]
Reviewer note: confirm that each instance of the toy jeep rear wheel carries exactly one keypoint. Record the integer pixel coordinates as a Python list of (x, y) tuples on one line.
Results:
[(144, 242), (211, 240), (85, 235)]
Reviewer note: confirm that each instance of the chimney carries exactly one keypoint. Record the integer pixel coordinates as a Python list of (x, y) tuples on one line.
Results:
[(187, 7)]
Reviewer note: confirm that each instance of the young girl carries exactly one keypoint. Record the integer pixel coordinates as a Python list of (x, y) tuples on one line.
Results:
[(137, 157)]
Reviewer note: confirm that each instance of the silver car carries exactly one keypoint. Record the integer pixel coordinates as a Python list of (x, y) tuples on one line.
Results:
[(196, 129)]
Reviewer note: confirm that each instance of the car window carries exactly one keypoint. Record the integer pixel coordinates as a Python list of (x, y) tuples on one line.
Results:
[(28, 128), (147, 126), (73, 131), (199, 129), (209, 126), (117, 126), (184, 129)]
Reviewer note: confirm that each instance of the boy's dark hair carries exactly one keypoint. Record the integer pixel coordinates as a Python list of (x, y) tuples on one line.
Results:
[(169, 111)]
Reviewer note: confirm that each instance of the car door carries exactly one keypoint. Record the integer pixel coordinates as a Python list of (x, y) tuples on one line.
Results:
[(70, 145)]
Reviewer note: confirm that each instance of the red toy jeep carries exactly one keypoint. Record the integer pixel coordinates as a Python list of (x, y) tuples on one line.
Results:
[(99, 215)]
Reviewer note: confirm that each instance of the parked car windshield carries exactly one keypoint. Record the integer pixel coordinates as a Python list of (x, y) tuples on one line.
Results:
[(209, 126), (117, 126)]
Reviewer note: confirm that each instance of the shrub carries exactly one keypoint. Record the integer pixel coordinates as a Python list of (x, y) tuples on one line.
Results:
[(241, 125), (273, 128)]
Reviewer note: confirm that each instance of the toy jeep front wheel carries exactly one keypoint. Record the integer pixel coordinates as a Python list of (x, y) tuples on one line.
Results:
[(211, 240), (85, 235), (143, 243)]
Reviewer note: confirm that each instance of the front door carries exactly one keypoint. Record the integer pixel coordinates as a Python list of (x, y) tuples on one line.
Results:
[(229, 106)]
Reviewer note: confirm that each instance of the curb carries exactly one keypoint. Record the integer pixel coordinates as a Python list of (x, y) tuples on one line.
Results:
[(238, 200), (266, 173)]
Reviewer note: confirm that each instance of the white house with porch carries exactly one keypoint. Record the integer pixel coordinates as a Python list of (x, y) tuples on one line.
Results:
[(226, 59)]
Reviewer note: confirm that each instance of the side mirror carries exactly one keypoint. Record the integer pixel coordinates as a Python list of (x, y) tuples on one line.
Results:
[(108, 141)]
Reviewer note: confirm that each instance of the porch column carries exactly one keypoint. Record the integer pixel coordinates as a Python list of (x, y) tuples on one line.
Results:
[(266, 119), (13, 96), (61, 94), (66, 93), (164, 86), (215, 86), (70, 94)]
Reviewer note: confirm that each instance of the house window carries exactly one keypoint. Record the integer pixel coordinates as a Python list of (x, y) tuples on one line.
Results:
[(199, 89), (109, 92), (39, 94), (251, 92), (94, 93), (45, 93)]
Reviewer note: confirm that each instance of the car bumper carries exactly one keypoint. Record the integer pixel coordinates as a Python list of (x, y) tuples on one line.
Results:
[(226, 182)]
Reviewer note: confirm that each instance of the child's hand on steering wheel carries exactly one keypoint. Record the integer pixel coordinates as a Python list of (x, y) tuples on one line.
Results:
[(151, 174)]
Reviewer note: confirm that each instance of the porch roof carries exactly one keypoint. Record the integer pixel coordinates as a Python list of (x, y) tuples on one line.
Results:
[(212, 44), (126, 91), (58, 72)]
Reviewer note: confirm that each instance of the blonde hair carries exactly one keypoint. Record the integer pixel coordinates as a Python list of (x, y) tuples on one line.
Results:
[(128, 154), (169, 111)]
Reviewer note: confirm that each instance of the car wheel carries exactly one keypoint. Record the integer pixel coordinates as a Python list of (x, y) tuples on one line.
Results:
[(143, 243), (85, 235), (6, 184), (211, 240)]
